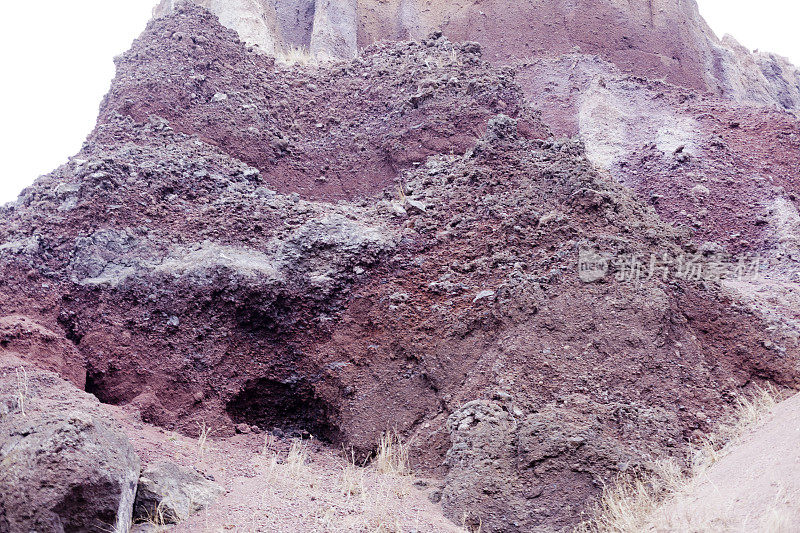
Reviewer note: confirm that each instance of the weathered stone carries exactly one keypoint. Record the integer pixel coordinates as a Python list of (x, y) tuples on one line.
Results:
[(171, 494), (65, 471)]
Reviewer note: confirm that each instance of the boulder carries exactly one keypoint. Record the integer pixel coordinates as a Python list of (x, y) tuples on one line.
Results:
[(64, 465), (169, 494)]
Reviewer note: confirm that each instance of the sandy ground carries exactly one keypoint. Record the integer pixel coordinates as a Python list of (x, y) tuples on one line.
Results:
[(755, 487), (267, 492)]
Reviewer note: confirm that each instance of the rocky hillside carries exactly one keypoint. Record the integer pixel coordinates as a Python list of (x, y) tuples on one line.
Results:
[(660, 40), (541, 266)]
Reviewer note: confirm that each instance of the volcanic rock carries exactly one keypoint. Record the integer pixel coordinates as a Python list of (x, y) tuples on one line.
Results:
[(305, 257), (666, 39), (64, 464)]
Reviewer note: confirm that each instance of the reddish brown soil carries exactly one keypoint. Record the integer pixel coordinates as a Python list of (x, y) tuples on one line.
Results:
[(332, 133), (746, 157), (382, 288)]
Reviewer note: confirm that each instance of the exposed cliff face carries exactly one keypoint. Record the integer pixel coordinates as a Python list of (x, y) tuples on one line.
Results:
[(663, 39), (393, 241), (326, 28), (755, 76)]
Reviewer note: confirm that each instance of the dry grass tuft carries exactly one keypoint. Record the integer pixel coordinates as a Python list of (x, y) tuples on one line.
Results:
[(748, 411), (157, 517), (470, 524), (202, 438), (297, 458), (352, 478), (22, 388), (295, 55), (629, 505), (372, 498), (392, 455)]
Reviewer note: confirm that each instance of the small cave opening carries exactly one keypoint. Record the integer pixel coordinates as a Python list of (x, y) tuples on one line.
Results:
[(292, 408), (93, 386), (99, 384)]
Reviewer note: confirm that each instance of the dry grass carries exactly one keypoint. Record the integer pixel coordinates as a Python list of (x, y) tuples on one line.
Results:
[(295, 55), (297, 458), (202, 439), (350, 497), (157, 517), (392, 455), (747, 413), (469, 524), (629, 505), (352, 478), (22, 389)]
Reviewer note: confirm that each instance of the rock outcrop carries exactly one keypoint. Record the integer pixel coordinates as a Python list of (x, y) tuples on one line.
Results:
[(64, 464), (43, 347), (402, 241)]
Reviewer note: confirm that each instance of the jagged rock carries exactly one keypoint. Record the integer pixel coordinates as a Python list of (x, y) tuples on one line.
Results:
[(255, 21), (415, 206), (64, 465), (169, 494)]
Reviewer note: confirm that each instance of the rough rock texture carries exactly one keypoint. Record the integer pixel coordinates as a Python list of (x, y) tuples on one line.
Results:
[(46, 349), (335, 132), (394, 242), (256, 21), (170, 494), (335, 29), (662, 39), (64, 464)]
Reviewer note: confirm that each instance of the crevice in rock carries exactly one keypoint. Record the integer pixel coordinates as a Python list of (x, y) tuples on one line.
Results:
[(289, 406)]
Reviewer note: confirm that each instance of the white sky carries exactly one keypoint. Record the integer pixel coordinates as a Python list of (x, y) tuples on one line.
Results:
[(56, 57)]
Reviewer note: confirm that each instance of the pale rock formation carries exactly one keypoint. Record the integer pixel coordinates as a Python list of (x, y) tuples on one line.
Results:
[(175, 493), (755, 76), (335, 30)]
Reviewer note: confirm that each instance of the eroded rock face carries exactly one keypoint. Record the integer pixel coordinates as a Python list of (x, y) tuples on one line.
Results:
[(169, 494), (43, 347), (557, 450), (64, 465), (350, 247), (664, 39), (335, 29)]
